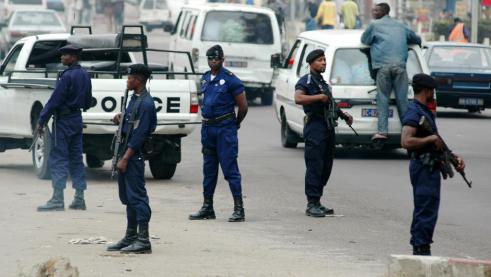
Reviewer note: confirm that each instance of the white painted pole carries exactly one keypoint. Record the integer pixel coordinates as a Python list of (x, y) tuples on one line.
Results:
[(474, 20)]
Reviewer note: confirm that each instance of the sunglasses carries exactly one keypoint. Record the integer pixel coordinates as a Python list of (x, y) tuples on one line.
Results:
[(211, 58)]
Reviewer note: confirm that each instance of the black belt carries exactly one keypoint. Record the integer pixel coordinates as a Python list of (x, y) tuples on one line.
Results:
[(219, 119), (61, 112)]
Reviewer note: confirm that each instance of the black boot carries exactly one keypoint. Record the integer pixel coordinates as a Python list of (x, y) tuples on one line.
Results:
[(326, 210), (56, 203), (206, 211), (78, 202), (422, 250), (141, 245), (314, 209), (129, 237), (238, 215)]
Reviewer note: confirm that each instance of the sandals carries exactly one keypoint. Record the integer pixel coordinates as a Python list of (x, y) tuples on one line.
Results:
[(379, 137)]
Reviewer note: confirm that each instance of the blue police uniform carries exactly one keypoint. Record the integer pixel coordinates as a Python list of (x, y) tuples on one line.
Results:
[(132, 192), (219, 138), (70, 95), (425, 180), (319, 138)]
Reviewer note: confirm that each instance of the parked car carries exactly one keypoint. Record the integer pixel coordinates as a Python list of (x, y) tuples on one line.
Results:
[(23, 5), (56, 5), (155, 14), (27, 23), (352, 84), (248, 35), (463, 72)]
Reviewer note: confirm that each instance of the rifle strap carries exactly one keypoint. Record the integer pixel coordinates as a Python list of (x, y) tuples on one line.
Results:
[(428, 117), (131, 122)]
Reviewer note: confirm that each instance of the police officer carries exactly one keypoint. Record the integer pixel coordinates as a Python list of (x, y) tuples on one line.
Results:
[(425, 178), (222, 90), (140, 120), (314, 94), (72, 93)]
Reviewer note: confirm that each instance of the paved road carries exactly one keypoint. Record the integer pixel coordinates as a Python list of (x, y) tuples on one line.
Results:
[(371, 191)]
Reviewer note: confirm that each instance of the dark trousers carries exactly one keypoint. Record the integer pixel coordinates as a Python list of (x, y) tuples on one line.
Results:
[(319, 154), (220, 147), (133, 194), (426, 193), (65, 156)]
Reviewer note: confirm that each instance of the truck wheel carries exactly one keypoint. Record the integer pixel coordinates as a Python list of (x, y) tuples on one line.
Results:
[(267, 98), (162, 170), (288, 137), (40, 153), (93, 161)]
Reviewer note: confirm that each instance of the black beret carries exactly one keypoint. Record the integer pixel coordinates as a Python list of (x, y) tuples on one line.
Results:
[(215, 51), (312, 56), (425, 81), (139, 69), (70, 49)]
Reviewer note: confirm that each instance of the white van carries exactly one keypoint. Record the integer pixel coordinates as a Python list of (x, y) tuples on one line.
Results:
[(155, 14), (248, 35)]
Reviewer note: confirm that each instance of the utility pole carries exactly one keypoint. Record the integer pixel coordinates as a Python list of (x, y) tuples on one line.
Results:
[(474, 20)]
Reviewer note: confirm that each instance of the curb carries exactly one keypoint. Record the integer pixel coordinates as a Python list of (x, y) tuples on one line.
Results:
[(412, 266)]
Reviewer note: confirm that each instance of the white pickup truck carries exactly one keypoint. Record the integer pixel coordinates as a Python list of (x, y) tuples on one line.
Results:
[(27, 78)]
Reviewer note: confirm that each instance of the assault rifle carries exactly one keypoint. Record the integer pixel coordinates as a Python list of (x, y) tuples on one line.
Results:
[(118, 139), (331, 110), (448, 159)]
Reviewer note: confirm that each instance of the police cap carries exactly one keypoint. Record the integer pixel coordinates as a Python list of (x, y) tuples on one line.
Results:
[(425, 81), (71, 49), (215, 51), (139, 69), (312, 56)]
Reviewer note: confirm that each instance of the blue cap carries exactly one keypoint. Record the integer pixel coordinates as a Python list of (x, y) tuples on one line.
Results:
[(425, 81), (70, 49), (314, 55), (215, 51), (139, 69)]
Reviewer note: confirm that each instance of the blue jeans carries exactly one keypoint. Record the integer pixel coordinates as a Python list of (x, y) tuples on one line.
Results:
[(327, 27), (391, 77)]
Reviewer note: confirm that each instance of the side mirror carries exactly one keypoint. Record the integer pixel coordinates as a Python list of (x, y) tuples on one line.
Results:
[(3, 25), (276, 61), (168, 28)]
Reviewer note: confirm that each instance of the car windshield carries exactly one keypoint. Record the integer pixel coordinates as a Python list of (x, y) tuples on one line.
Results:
[(460, 56), (351, 67), (237, 27), (35, 19)]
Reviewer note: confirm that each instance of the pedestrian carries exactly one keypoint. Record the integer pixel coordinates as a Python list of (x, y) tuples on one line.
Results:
[(118, 14), (310, 22), (139, 122), (326, 15), (458, 32), (73, 92), (221, 91), (279, 10), (388, 40), (349, 14), (425, 176), (314, 94)]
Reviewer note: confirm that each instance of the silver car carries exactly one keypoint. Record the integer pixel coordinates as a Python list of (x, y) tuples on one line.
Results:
[(27, 23)]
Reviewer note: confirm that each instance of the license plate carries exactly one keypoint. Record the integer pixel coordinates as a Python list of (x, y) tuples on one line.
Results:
[(235, 64), (471, 101), (373, 113)]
